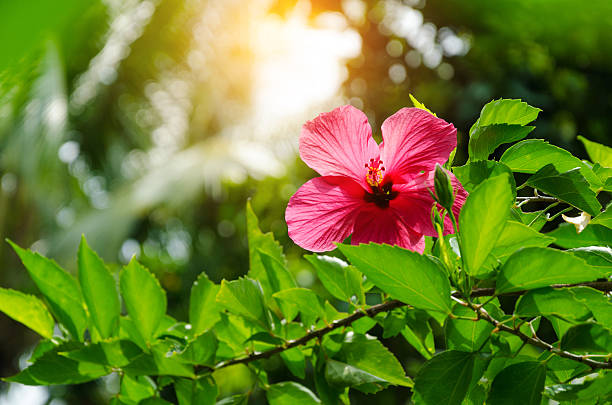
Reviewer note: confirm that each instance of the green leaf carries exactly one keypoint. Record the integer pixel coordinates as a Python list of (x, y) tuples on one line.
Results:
[(552, 302), (369, 355), (567, 237), (515, 236), (52, 368), (485, 139), (418, 333), (535, 267), (420, 105), (261, 242), (159, 362), (570, 186), (144, 298), (531, 155), (201, 350), (59, 288), (345, 375), (507, 111), (474, 173), (243, 297), (587, 338), (112, 353), (203, 309), (295, 361), (598, 153), (404, 275), (599, 305), (136, 388), (28, 310), (203, 391), (341, 280), (99, 291), (465, 335), (445, 378), (520, 383), (278, 276), (605, 218), (480, 228), (291, 393), (598, 257), (305, 300), (592, 389)]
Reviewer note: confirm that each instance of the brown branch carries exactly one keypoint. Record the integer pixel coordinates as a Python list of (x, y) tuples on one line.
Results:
[(372, 311), (534, 340)]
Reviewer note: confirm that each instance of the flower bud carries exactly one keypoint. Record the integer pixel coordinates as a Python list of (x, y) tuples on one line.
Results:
[(443, 187)]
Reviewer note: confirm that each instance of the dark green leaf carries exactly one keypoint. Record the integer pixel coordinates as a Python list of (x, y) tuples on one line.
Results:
[(535, 267), (341, 280), (154, 401), (243, 297), (28, 310), (485, 139), (99, 290), (520, 383), (159, 362), (418, 333), (295, 361), (604, 218), (552, 302), (59, 288), (404, 275), (112, 353), (569, 186), (598, 257), (52, 368), (587, 338), (203, 310), (531, 155), (567, 237), (480, 228), (445, 378), (144, 299), (592, 389), (597, 302), (474, 173), (345, 375), (463, 334), (291, 393), (196, 392), (136, 388), (598, 153), (369, 355)]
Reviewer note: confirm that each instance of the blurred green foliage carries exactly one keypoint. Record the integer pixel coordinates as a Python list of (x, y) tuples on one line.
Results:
[(114, 119)]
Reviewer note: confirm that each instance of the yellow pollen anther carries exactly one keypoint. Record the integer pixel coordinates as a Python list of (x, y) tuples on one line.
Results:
[(374, 175)]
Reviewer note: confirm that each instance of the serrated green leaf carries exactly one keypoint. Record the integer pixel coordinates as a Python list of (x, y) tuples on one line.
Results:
[(243, 297), (341, 280), (203, 309), (569, 186), (52, 368), (535, 267), (592, 389), (154, 401), (420, 105), (474, 173), (515, 236), (344, 375), (485, 139), (534, 219), (295, 361), (159, 362), (277, 278), (462, 334), (369, 355), (566, 236), (418, 333), (28, 310), (531, 155), (136, 388), (598, 257), (587, 338), (520, 383), (445, 378), (99, 291), (480, 228), (305, 301), (604, 218), (599, 305), (507, 111), (201, 350), (404, 275), (144, 299), (291, 393), (59, 288), (112, 353), (598, 153)]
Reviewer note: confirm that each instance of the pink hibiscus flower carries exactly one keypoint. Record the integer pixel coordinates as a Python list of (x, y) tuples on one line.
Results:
[(377, 193)]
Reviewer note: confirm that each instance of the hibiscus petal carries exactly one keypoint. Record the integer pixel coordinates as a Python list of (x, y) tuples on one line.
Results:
[(323, 211), (339, 143), (415, 140), (384, 225), (413, 203)]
